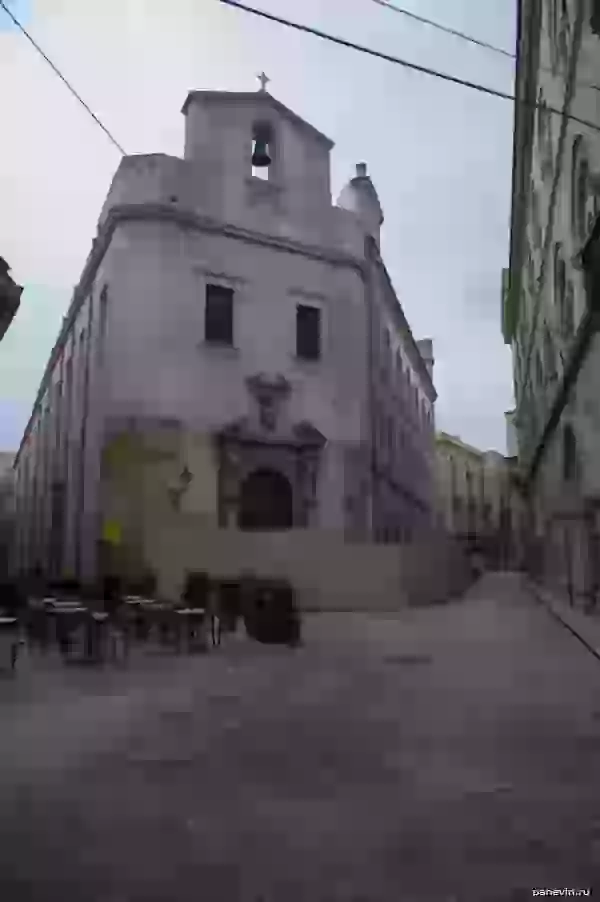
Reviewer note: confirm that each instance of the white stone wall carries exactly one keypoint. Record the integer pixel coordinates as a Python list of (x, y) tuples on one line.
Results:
[(157, 320), (161, 367), (326, 572), (168, 228)]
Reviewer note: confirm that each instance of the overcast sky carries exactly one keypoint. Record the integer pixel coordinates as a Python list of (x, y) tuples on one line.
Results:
[(439, 155)]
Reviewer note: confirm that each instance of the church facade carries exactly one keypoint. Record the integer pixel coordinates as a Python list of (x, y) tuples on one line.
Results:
[(234, 350)]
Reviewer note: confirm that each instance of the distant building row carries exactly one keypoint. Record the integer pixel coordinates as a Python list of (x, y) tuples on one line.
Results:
[(479, 501)]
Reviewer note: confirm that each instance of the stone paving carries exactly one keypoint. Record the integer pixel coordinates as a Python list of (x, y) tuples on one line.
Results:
[(583, 623), (449, 753)]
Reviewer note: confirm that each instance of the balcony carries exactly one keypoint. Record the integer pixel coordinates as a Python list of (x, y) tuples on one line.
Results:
[(10, 298)]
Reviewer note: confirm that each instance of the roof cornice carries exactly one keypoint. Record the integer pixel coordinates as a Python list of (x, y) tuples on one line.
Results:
[(397, 311), (156, 212), (527, 55)]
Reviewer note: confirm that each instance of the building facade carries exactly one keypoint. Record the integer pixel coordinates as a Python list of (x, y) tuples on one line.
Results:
[(550, 290), (7, 512), (10, 297), (234, 350), (478, 501)]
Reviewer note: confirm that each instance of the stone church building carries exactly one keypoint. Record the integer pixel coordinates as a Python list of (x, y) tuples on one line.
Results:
[(234, 353)]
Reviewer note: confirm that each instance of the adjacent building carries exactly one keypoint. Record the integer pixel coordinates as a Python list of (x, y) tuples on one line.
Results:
[(235, 351), (478, 501), (10, 297), (550, 289), (7, 512)]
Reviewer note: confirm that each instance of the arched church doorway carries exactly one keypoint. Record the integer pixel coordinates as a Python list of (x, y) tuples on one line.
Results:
[(266, 501)]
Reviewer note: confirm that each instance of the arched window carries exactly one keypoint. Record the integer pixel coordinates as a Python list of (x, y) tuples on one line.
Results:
[(452, 474), (533, 423), (549, 151), (523, 324), (386, 354), (579, 188), (541, 118), (544, 130), (531, 273), (535, 217), (567, 317), (560, 277), (569, 453), (539, 371), (553, 32), (549, 356), (564, 34)]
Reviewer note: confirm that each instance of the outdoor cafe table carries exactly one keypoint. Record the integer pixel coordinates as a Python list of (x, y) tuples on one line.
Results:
[(138, 609), (38, 619), (161, 617), (41, 604), (95, 635), (73, 620), (70, 622), (9, 641), (193, 621)]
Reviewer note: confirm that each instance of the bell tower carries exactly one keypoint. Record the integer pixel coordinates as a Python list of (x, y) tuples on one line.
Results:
[(251, 155)]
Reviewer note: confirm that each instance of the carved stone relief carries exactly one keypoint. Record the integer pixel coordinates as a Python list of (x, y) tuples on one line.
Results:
[(269, 393)]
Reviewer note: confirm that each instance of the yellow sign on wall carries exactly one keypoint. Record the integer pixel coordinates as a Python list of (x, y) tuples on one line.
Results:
[(111, 532)]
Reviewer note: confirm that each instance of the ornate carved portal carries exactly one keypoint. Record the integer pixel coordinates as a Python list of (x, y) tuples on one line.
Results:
[(268, 474), (279, 477)]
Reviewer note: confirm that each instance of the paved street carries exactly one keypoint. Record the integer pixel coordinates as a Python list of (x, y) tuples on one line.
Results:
[(451, 753)]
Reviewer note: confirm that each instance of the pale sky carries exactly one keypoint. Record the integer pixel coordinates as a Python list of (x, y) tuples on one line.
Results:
[(439, 155)]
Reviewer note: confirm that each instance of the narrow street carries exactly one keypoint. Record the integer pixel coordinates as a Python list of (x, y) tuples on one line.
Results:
[(449, 753)]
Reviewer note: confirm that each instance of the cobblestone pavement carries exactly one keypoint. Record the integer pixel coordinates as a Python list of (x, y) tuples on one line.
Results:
[(449, 753)]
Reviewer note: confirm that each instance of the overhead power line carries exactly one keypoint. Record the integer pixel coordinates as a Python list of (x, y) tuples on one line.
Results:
[(415, 67), (57, 71), (467, 37), (425, 70), (444, 28)]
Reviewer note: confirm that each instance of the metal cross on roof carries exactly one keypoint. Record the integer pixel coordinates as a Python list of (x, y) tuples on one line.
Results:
[(264, 80)]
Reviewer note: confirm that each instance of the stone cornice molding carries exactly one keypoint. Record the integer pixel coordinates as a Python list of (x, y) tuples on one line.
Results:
[(187, 219)]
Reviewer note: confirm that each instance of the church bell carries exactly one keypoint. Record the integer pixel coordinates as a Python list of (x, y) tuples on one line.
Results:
[(260, 155)]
